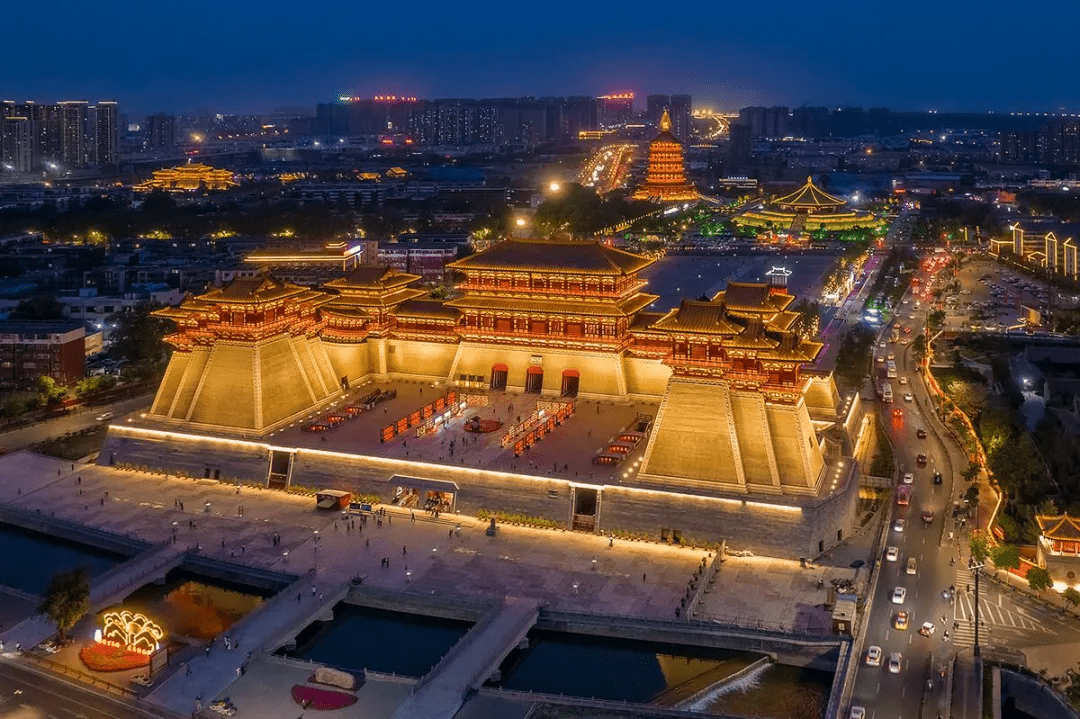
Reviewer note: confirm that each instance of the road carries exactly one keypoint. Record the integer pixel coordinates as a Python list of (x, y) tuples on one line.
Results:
[(837, 321), (1009, 621), (25, 694), (81, 419)]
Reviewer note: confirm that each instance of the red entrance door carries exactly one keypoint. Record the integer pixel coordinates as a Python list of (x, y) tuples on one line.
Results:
[(534, 380)]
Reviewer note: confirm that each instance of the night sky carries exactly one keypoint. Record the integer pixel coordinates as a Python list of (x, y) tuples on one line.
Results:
[(238, 56)]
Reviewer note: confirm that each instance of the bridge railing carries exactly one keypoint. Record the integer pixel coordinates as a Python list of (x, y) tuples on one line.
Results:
[(712, 623)]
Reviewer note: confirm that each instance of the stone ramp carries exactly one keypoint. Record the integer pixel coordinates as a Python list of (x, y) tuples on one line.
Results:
[(440, 694), (106, 590), (213, 672)]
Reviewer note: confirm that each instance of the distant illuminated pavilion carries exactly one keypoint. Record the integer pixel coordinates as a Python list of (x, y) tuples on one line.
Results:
[(808, 208), (191, 177)]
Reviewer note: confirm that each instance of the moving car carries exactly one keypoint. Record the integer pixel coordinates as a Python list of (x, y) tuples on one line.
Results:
[(899, 594), (105, 417), (928, 516), (857, 712), (873, 656), (892, 554), (912, 566), (899, 524), (937, 477), (908, 397), (898, 412), (896, 660), (921, 460), (927, 629), (903, 380), (920, 433), (900, 621), (909, 477)]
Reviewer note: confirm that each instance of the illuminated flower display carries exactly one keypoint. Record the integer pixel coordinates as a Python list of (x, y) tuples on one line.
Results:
[(131, 631)]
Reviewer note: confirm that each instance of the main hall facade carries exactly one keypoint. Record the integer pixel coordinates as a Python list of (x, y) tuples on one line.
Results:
[(739, 422)]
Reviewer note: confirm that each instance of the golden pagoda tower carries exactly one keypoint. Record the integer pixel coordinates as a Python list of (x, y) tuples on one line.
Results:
[(666, 180)]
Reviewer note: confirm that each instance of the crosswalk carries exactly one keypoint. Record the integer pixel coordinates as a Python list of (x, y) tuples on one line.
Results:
[(992, 616)]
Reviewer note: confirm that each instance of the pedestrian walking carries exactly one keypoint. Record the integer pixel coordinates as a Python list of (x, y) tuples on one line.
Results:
[(643, 577), (403, 550), (313, 590)]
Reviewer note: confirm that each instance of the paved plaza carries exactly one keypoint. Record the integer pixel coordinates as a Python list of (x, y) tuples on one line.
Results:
[(566, 452), (450, 557)]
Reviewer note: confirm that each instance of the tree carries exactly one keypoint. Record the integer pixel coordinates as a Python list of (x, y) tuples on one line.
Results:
[(42, 307), (67, 600), (935, 320), (980, 549), (138, 337), (971, 472), (91, 386), (1071, 596), (48, 391), (1006, 556), (918, 348), (1039, 579)]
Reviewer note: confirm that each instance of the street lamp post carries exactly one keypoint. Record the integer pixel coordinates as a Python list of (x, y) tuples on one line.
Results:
[(975, 570)]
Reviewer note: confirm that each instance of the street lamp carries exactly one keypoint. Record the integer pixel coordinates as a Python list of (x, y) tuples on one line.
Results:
[(554, 186), (975, 570), (315, 570)]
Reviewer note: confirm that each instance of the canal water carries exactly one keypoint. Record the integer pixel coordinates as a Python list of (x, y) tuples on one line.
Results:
[(361, 638), (194, 606), (28, 559), (574, 665)]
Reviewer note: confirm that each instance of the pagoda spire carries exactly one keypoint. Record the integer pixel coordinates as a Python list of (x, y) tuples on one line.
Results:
[(665, 122)]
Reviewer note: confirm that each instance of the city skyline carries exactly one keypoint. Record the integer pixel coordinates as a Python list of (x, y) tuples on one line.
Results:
[(726, 59)]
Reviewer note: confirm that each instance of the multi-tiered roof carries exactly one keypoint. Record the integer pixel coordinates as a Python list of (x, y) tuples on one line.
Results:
[(245, 310), (666, 179), (745, 333), (365, 300), (561, 293)]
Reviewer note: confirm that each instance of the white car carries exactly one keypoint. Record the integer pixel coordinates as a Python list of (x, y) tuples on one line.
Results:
[(909, 478), (896, 660), (104, 417), (899, 594), (892, 554), (899, 524), (857, 712), (873, 656), (908, 397), (881, 345), (903, 380)]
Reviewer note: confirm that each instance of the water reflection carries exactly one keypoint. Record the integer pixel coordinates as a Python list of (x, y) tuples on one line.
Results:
[(196, 608)]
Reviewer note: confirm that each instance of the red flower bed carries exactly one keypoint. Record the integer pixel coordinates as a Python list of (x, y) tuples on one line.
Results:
[(103, 658), (325, 699)]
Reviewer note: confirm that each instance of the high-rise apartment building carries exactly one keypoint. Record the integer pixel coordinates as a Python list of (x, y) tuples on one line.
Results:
[(74, 123), (63, 136), (16, 144), (679, 110), (765, 121), (105, 132), (654, 108), (617, 109), (160, 131)]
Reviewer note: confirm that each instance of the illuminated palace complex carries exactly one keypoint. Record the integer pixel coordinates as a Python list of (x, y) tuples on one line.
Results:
[(701, 422), (188, 178), (808, 208), (666, 180)]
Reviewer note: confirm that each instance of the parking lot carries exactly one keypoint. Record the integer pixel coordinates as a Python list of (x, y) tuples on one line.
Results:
[(991, 298)]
